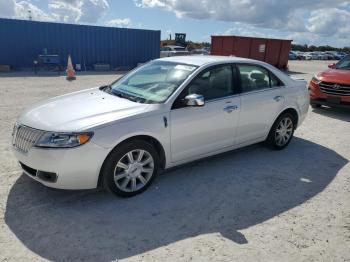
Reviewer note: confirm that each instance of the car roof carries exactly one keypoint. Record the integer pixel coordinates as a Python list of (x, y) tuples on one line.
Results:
[(203, 60), (208, 60)]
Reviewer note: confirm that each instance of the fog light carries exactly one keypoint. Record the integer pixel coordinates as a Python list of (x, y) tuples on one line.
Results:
[(47, 176)]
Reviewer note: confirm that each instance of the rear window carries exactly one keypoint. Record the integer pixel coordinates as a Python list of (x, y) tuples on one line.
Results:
[(254, 78)]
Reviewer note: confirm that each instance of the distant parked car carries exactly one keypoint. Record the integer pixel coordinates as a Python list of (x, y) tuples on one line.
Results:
[(292, 56), (207, 49), (342, 55), (314, 56), (331, 56), (326, 56), (173, 50), (307, 56), (300, 55), (336, 55), (332, 87), (320, 56), (199, 52)]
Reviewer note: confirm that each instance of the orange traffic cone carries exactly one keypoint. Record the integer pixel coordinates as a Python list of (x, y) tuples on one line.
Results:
[(70, 69)]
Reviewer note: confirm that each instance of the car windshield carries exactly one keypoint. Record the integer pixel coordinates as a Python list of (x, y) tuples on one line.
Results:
[(153, 82), (344, 63)]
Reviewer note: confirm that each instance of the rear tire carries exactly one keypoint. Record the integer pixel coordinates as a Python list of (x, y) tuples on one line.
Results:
[(281, 132), (130, 168)]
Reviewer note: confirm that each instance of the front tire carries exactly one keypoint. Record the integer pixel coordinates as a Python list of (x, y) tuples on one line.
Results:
[(281, 132), (130, 168)]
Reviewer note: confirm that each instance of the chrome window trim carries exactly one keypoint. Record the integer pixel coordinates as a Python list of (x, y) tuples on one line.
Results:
[(261, 90), (221, 99)]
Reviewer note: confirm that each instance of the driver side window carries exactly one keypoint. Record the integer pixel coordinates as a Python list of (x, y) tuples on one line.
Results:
[(212, 84), (215, 82)]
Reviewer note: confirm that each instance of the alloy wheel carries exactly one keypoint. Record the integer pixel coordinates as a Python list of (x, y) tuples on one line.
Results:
[(134, 170), (284, 131)]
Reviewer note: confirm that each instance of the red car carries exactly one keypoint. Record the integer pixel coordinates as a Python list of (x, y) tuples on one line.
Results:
[(332, 87)]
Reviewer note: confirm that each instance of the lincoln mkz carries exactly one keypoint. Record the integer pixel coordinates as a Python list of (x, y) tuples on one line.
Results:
[(167, 112)]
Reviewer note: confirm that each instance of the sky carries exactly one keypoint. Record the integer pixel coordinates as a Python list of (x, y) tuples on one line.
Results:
[(312, 22)]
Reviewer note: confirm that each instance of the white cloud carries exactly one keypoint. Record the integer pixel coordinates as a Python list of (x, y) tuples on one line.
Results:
[(69, 11), (86, 11), (65, 11), (93, 10), (20, 9), (272, 12), (305, 37), (7, 8), (317, 17), (330, 21), (151, 3), (126, 22), (241, 29)]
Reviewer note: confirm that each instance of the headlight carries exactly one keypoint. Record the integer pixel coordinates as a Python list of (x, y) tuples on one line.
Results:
[(315, 80), (63, 140)]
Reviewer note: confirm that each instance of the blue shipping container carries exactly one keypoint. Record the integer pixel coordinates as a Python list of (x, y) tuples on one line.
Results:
[(22, 41)]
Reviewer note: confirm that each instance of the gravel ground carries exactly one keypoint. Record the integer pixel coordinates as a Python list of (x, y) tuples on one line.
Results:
[(251, 204)]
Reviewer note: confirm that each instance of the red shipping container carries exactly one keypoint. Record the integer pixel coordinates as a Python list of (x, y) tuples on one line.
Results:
[(272, 51)]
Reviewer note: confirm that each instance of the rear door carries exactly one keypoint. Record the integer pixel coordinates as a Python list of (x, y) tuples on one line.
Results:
[(261, 100)]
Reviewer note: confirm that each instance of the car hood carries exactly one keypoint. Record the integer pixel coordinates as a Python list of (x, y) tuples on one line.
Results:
[(335, 76), (78, 111)]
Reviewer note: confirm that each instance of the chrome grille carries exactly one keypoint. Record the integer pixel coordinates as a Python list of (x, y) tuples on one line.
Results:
[(335, 89), (24, 137)]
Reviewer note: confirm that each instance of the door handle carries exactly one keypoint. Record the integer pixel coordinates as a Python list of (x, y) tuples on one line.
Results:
[(229, 109), (278, 98)]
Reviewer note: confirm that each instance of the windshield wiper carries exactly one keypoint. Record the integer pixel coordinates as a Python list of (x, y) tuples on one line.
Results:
[(127, 96), (106, 88)]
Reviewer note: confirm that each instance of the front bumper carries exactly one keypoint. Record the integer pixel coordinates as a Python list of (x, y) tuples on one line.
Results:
[(316, 93), (74, 168), (319, 98), (321, 101)]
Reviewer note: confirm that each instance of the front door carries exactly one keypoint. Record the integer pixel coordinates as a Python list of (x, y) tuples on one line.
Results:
[(197, 131)]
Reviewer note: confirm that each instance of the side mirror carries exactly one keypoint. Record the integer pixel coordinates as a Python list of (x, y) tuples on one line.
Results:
[(194, 100), (331, 65)]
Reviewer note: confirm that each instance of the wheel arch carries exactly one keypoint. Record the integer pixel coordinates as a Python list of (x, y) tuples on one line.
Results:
[(291, 111), (294, 113), (150, 139)]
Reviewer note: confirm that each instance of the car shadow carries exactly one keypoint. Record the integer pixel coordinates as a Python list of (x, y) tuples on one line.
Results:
[(342, 114), (223, 194)]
